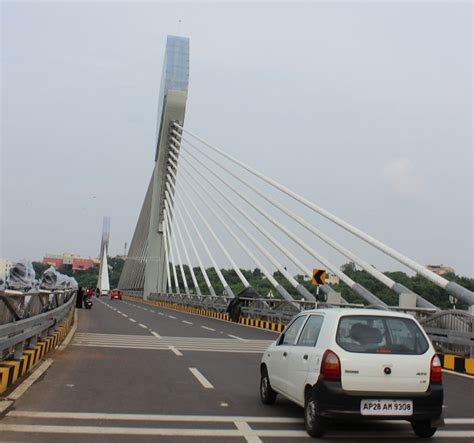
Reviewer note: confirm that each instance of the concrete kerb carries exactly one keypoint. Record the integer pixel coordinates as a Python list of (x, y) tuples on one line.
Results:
[(12, 371), (245, 321)]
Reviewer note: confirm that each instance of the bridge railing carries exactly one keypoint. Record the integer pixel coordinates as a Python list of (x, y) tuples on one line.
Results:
[(29, 317)]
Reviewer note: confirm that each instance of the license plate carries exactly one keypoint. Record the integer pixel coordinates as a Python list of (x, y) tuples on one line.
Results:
[(386, 407)]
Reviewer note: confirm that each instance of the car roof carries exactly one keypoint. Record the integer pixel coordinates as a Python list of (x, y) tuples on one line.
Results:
[(342, 312)]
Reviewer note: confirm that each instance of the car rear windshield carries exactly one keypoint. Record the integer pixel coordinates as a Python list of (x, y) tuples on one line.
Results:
[(380, 334)]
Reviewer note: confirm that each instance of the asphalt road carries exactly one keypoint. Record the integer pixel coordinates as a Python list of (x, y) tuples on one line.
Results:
[(139, 373)]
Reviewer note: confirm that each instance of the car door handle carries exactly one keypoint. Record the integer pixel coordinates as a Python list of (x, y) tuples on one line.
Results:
[(284, 354), (305, 357)]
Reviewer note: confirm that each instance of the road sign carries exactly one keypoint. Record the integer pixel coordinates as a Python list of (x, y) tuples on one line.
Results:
[(319, 277)]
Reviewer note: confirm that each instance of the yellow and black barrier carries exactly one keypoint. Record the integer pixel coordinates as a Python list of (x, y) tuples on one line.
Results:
[(254, 322), (457, 364), (12, 370)]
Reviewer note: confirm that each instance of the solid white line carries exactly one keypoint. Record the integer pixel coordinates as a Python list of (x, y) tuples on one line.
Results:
[(187, 322), (248, 433), (459, 421), (471, 377), (70, 335), (151, 417), (155, 334), (18, 392), (203, 380), (209, 329), (234, 336), (102, 430), (175, 351), (142, 325)]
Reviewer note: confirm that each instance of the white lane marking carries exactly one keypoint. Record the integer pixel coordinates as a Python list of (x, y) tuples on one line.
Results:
[(132, 320), (170, 316), (237, 338), (203, 380), (459, 421), (209, 329), (119, 312), (187, 322), (155, 334), (151, 417), (69, 337), (459, 374), (142, 325), (161, 313), (248, 433), (125, 315), (18, 392), (175, 351), (101, 430)]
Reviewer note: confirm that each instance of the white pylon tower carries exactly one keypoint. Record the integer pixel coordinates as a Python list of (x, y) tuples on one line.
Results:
[(103, 282)]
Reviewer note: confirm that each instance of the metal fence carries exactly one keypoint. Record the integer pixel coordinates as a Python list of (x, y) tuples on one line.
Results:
[(29, 317)]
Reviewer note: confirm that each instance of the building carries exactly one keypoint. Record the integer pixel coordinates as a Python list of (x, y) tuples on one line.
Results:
[(5, 266), (440, 269), (75, 261)]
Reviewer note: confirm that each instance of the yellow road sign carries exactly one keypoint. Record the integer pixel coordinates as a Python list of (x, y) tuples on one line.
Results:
[(319, 277)]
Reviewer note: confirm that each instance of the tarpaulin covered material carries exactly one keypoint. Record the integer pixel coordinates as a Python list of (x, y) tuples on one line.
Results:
[(22, 276)]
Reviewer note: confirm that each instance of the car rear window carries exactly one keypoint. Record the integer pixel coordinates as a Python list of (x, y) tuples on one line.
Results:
[(380, 334)]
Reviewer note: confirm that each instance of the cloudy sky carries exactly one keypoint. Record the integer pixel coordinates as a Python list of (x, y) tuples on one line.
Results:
[(363, 107)]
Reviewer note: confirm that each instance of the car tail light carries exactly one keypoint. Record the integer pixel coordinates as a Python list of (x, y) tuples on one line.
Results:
[(435, 372), (330, 366)]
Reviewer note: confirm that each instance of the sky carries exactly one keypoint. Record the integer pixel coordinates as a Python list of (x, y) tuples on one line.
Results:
[(364, 108)]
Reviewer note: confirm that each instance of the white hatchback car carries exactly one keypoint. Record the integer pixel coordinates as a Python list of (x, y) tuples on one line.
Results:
[(355, 364)]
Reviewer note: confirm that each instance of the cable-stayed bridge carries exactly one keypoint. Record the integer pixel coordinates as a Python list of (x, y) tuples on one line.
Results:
[(165, 363)]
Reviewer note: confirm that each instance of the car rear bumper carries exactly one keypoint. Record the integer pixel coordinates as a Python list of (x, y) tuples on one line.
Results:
[(334, 402)]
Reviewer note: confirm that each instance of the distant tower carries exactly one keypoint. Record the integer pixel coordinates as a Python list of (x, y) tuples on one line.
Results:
[(103, 281)]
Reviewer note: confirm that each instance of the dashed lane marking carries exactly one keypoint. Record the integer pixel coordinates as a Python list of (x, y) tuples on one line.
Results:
[(170, 316), (155, 334), (187, 322), (237, 338), (175, 351), (142, 325), (203, 380), (132, 320), (209, 329)]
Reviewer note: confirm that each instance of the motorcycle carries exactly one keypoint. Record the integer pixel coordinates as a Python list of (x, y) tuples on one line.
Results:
[(88, 302)]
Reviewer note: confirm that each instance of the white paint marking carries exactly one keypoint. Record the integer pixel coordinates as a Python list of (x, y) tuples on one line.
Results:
[(203, 380), (187, 322), (142, 325), (132, 320), (70, 335), (248, 433), (18, 392), (237, 338), (459, 421), (175, 351), (155, 334), (458, 374), (170, 316), (125, 315), (209, 329)]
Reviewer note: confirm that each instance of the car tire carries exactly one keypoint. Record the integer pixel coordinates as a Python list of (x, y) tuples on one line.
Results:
[(423, 428), (267, 394), (314, 424)]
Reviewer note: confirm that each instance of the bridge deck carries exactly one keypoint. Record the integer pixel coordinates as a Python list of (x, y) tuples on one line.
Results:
[(139, 373)]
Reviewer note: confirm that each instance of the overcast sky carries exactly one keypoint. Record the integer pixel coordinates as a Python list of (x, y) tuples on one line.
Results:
[(363, 107)]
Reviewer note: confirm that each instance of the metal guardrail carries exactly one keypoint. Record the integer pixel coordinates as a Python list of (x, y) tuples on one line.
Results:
[(22, 333)]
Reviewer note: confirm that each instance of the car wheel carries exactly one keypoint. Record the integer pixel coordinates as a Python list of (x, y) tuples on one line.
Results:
[(267, 394), (314, 424), (423, 428)]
